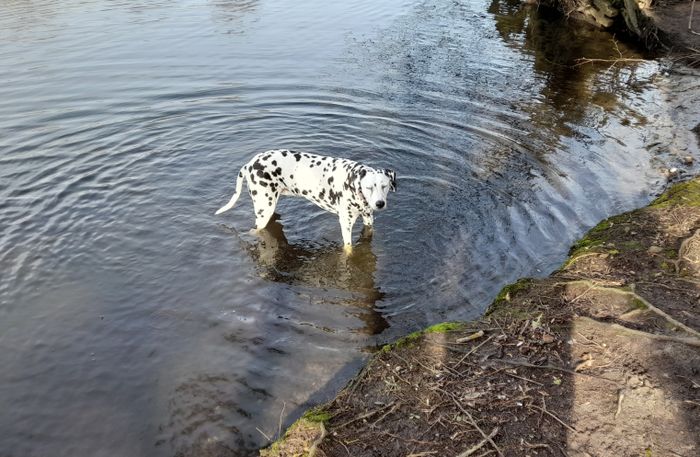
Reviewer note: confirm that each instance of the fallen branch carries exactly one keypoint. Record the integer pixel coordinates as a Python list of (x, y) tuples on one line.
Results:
[(473, 336), (583, 61)]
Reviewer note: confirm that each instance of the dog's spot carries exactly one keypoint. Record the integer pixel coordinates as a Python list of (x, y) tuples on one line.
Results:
[(260, 173), (297, 156), (318, 162), (240, 174), (267, 176), (303, 192), (263, 183), (322, 194), (291, 176), (330, 180), (274, 163), (254, 192)]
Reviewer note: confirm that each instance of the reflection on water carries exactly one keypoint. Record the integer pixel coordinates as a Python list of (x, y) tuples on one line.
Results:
[(132, 324), (557, 48), (350, 278)]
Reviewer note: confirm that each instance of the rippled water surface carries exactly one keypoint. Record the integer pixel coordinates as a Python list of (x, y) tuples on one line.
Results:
[(133, 322)]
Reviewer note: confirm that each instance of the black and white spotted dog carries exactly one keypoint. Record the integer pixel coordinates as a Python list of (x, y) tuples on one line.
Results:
[(340, 186)]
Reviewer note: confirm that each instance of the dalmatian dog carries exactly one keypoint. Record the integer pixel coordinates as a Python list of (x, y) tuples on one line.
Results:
[(341, 186)]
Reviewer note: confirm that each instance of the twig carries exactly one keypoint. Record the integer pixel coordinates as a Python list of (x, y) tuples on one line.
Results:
[(344, 446), (279, 424), (524, 379), (474, 349), (263, 434), (473, 336), (473, 449), (555, 418), (582, 294), (583, 61), (393, 408), (366, 415)]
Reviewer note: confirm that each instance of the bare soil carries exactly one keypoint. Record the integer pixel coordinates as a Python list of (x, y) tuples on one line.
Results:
[(602, 358), (672, 17)]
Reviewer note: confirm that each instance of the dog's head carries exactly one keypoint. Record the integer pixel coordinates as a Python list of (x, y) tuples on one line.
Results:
[(375, 186)]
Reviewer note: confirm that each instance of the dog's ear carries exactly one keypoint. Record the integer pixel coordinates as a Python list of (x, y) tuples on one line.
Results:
[(392, 175)]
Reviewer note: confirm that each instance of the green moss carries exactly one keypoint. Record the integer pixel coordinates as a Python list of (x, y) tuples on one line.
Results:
[(444, 327), (500, 303), (511, 290), (317, 415), (411, 338), (638, 304), (685, 193), (301, 427)]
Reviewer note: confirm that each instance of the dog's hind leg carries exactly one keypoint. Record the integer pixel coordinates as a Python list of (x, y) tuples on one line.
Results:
[(264, 208)]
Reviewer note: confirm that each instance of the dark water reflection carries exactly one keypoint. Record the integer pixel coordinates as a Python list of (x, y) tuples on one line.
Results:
[(134, 322), (348, 281)]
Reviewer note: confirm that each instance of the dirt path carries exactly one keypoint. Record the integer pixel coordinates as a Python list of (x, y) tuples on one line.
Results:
[(601, 358)]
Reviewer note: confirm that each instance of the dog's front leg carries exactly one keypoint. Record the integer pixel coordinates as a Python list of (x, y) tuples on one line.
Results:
[(346, 223), (368, 229)]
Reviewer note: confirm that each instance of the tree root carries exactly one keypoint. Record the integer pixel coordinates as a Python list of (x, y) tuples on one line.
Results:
[(632, 294), (691, 341)]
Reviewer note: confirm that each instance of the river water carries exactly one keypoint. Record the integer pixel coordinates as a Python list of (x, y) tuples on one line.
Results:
[(134, 322)]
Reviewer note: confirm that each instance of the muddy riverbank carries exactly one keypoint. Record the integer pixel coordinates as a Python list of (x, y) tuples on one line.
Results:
[(600, 358)]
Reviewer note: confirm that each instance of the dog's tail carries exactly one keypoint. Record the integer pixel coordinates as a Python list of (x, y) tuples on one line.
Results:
[(239, 186)]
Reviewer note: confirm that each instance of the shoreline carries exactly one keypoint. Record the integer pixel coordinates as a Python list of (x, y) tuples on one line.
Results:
[(599, 358)]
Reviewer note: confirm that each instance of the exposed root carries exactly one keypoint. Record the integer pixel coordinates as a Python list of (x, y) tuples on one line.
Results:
[(691, 341)]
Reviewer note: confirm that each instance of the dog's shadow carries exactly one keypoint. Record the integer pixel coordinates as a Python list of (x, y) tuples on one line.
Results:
[(349, 279)]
